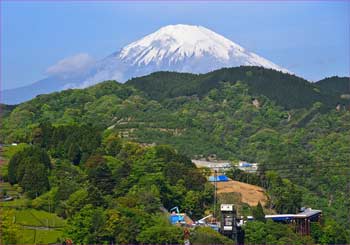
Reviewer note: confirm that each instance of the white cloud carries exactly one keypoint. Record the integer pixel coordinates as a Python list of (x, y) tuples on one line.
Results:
[(72, 64)]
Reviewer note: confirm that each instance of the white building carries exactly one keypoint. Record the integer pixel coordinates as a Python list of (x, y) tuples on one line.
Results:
[(248, 167)]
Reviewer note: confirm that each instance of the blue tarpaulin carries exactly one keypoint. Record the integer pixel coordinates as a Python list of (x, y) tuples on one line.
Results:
[(219, 178), (174, 218)]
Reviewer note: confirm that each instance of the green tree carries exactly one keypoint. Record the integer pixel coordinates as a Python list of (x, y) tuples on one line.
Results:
[(84, 226), (76, 202), (258, 213), (46, 201), (255, 232), (30, 169), (111, 226), (191, 204), (206, 235), (35, 179), (99, 174), (95, 196), (74, 153), (113, 145), (132, 222), (333, 233), (160, 234)]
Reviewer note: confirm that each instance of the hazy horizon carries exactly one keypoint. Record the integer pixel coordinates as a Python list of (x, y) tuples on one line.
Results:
[(308, 38)]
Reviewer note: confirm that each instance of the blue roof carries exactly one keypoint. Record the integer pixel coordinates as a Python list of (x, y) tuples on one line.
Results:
[(308, 213), (282, 218), (218, 178)]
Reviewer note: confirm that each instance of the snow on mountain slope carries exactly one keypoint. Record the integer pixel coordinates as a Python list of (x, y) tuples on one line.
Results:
[(175, 43), (182, 48)]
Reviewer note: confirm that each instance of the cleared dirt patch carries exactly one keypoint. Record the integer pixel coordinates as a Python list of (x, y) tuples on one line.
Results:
[(250, 194)]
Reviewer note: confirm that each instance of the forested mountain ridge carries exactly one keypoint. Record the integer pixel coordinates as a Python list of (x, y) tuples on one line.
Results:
[(221, 113), (337, 85), (285, 89)]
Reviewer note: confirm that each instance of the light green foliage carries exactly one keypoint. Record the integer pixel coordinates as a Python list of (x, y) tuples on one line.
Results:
[(7, 152), (85, 225), (76, 201), (32, 217), (46, 201), (190, 203), (257, 232), (29, 226), (10, 150), (160, 234), (299, 140), (206, 235), (10, 232), (285, 196), (332, 233), (48, 236), (141, 190), (113, 145)]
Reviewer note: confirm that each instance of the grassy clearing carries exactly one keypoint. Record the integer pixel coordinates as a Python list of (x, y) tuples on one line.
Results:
[(27, 236), (17, 203), (34, 226), (50, 236), (32, 217), (40, 236)]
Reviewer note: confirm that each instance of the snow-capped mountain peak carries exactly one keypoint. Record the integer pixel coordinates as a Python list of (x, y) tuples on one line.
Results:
[(176, 42)]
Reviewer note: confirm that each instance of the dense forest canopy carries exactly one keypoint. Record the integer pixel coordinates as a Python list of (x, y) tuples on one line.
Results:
[(285, 89), (338, 85)]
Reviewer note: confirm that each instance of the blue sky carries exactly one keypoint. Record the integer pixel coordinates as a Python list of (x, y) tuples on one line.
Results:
[(308, 38)]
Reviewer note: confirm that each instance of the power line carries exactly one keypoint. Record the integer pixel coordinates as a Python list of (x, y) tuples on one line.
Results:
[(316, 167), (292, 166)]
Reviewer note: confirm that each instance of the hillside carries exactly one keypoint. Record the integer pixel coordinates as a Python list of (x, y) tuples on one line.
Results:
[(247, 113), (5, 110), (337, 85), (286, 90)]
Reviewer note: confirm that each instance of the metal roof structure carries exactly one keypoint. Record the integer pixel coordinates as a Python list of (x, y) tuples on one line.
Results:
[(307, 213)]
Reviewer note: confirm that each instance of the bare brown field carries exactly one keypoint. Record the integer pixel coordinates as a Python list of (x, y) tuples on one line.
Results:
[(250, 194)]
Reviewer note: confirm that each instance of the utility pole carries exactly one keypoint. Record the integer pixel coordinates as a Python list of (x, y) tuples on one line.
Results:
[(348, 193), (215, 188)]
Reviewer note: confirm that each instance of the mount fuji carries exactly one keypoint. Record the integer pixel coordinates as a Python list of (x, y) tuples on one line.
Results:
[(181, 48)]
